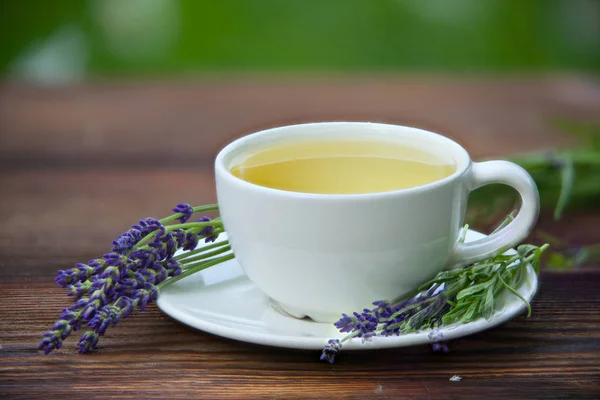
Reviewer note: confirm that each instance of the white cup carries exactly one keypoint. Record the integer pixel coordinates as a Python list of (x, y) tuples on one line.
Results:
[(320, 255)]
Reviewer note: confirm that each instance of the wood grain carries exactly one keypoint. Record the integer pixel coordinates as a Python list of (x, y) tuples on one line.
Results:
[(553, 355), (185, 123), (78, 165)]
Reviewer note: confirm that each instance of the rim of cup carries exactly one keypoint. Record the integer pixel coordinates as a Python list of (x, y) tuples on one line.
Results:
[(245, 143)]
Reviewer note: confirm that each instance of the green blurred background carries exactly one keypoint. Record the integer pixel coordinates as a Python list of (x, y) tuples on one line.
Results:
[(65, 41)]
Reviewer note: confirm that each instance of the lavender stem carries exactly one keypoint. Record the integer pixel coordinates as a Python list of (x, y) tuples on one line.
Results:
[(209, 207), (194, 269), (201, 250), (200, 257)]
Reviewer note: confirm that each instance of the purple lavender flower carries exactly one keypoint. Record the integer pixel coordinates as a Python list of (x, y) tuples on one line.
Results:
[(398, 314), (111, 272), (80, 273), (383, 309), (53, 338), (367, 337), (173, 267), (88, 342), (68, 321), (346, 323), (74, 318), (92, 307), (79, 289), (164, 246), (103, 287), (136, 280), (129, 239), (191, 241), (366, 322), (126, 305), (188, 240), (179, 236), (207, 230), (103, 319), (125, 242), (186, 210), (145, 296), (441, 347), (407, 311), (143, 258), (114, 259), (98, 264), (333, 348), (392, 326), (63, 278), (154, 275), (210, 239), (435, 335), (161, 274), (100, 319), (77, 308), (381, 303)]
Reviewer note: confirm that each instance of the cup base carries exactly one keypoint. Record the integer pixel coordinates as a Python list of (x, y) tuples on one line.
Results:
[(294, 313)]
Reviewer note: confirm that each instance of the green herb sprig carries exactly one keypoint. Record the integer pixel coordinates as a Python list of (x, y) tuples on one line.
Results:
[(459, 295)]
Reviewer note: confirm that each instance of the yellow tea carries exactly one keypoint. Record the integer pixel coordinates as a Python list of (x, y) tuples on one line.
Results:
[(341, 166)]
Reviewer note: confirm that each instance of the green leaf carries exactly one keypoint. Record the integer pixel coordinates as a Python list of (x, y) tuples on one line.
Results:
[(521, 274), (509, 218), (525, 249), (513, 291), (441, 277), (469, 315), (455, 313), (536, 261), (488, 306), (567, 177), (472, 290)]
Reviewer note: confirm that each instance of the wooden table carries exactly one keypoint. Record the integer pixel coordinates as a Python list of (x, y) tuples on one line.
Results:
[(78, 165)]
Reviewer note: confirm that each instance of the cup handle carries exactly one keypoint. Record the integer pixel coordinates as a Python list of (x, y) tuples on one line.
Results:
[(510, 174)]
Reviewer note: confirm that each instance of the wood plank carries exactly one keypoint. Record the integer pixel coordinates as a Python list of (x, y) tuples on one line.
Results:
[(554, 354), (187, 122)]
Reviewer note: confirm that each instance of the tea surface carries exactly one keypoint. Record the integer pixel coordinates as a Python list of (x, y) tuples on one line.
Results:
[(341, 166)]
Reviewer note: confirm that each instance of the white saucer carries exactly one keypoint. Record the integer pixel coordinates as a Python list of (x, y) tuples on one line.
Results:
[(221, 300)]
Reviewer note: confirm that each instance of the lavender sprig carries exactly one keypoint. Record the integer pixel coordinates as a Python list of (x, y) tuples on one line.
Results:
[(80, 273), (333, 348), (141, 262), (459, 295), (125, 242), (186, 210)]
